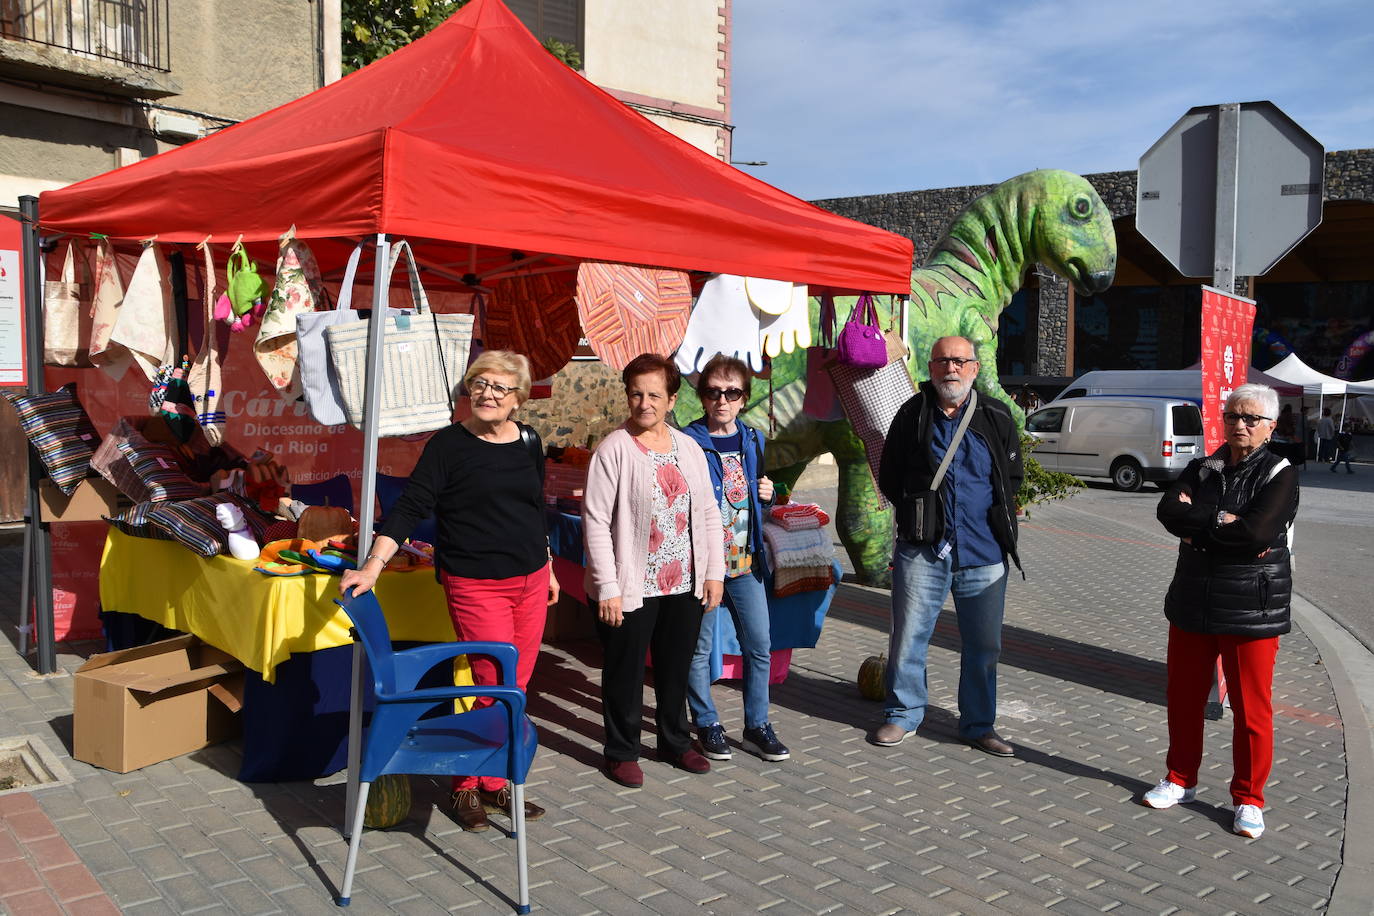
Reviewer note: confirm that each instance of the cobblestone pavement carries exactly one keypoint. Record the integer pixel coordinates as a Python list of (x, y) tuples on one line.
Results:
[(931, 826)]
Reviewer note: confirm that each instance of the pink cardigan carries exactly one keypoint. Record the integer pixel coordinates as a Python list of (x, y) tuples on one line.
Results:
[(616, 511)]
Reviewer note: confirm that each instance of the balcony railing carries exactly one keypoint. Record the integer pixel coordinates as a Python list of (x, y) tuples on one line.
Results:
[(132, 32)]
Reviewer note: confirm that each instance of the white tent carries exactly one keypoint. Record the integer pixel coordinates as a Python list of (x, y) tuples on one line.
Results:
[(1293, 370)]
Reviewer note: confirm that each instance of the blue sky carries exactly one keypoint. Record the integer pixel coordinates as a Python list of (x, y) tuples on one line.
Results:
[(847, 97)]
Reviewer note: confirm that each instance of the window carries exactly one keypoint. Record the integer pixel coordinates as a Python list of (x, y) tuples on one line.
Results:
[(1187, 420), (560, 20), (1075, 393), (1045, 421), (1111, 421), (132, 32)]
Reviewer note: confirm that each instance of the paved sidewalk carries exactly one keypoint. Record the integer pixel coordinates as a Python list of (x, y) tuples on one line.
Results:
[(931, 826)]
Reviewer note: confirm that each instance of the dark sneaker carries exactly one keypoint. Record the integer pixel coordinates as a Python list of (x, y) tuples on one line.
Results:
[(466, 807), (498, 802), (712, 739), (764, 743)]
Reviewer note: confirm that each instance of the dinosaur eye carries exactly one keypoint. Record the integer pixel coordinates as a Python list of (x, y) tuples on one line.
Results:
[(1081, 207)]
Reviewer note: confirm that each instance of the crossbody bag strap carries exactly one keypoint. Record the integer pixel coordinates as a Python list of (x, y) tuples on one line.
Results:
[(954, 443), (530, 438)]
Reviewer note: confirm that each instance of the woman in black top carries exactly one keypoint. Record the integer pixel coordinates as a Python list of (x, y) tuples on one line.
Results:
[(482, 480), (1232, 512)]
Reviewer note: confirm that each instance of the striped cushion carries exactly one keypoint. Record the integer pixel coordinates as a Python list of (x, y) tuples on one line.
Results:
[(60, 432), (159, 471), (134, 521), (193, 522)]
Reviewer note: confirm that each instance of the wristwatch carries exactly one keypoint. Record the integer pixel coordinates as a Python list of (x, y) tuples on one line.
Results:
[(1221, 516)]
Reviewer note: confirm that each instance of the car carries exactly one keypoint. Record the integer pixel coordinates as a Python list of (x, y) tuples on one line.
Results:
[(1129, 440)]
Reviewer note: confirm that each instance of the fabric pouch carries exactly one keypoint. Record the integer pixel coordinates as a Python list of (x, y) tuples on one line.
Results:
[(298, 291), (195, 525), (159, 471), (60, 431)]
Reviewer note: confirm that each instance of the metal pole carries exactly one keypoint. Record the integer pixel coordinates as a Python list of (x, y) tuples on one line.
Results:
[(41, 578), (372, 389), (1228, 153)]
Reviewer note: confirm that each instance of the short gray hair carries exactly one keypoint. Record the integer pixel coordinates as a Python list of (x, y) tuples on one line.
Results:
[(1266, 397)]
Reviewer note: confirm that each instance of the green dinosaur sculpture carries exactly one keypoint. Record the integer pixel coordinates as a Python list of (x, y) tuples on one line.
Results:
[(1047, 216)]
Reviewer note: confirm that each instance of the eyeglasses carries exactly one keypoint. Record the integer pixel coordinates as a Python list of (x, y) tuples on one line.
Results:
[(479, 385), (958, 362), (1251, 419), (730, 394)]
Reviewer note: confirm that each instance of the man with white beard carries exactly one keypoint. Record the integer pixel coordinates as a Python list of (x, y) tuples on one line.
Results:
[(956, 527)]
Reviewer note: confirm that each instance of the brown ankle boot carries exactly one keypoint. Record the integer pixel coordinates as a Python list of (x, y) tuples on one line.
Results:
[(466, 807)]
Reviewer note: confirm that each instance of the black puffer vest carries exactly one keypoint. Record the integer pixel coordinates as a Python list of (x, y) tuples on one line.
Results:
[(1229, 593)]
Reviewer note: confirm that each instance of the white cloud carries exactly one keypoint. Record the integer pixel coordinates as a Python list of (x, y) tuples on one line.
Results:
[(871, 96)]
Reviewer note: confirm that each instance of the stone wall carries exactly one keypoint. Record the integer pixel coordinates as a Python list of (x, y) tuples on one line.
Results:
[(923, 216)]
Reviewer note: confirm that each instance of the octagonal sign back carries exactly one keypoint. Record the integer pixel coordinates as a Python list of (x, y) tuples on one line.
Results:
[(1279, 168)]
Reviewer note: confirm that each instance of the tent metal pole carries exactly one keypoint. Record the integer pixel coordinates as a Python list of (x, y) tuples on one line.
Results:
[(372, 387), (41, 537)]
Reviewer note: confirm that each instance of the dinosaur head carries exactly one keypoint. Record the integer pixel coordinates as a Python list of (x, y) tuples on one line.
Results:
[(1072, 232)]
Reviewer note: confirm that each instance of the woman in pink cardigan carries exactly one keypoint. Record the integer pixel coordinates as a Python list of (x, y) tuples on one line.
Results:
[(654, 566)]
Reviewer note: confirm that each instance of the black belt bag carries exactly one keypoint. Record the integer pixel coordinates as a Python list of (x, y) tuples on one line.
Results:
[(919, 513)]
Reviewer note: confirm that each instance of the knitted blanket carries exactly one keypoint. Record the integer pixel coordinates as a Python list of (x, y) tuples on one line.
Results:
[(791, 581), (791, 549), (799, 516)]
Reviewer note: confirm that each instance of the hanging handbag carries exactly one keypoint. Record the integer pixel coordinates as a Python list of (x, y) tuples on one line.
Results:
[(205, 378), (871, 398), (297, 291), (66, 320), (861, 344), (147, 321), (111, 358), (319, 381), (247, 291), (424, 355), (821, 402), (918, 512)]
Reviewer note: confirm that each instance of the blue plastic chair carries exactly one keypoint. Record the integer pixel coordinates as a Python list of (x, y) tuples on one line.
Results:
[(389, 490), (498, 740), (337, 491)]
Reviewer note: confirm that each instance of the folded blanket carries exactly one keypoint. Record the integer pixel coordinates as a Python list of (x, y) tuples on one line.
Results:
[(802, 579), (790, 549), (798, 512), (799, 522)]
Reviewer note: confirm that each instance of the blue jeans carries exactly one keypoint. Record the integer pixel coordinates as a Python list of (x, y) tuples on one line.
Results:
[(747, 601), (920, 582)]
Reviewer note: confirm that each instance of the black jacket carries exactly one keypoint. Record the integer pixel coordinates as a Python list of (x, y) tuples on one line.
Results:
[(908, 465), (1234, 579)]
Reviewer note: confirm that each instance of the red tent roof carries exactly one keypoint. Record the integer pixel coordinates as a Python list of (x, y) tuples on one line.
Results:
[(477, 135)]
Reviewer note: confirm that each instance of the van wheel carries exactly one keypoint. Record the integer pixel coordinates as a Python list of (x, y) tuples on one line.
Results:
[(1126, 475)]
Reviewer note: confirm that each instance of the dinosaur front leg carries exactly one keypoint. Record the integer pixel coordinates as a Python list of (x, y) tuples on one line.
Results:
[(865, 530)]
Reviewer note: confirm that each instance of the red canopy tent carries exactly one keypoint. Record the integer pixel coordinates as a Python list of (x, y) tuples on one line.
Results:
[(479, 140)]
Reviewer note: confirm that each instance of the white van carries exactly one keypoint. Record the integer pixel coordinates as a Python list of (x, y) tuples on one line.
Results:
[(1129, 439)]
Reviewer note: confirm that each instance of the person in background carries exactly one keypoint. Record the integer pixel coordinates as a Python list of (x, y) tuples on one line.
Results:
[(482, 480), (734, 453), (1326, 437), (961, 549), (652, 533), (1232, 512), (1345, 439)]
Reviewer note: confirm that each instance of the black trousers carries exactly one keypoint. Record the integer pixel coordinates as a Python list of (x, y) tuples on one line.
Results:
[(669, 626)]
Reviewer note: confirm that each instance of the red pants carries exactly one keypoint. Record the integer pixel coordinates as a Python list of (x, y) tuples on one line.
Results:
[(1249, 668), (498, 610)]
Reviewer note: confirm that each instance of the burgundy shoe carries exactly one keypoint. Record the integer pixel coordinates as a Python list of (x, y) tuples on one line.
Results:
[(688, 760), (625, 772)]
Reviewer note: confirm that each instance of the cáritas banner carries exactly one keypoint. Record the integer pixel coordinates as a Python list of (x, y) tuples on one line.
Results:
[(1227, 324)]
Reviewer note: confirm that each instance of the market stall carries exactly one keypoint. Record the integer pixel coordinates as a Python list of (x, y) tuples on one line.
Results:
[(492, 160)]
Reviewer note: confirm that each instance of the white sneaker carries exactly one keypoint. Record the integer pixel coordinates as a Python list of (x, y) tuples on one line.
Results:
[(1249, 821), (1167, 794)]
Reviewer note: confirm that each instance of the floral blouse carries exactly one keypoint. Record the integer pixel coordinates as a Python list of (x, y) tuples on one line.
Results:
[(668, 570)]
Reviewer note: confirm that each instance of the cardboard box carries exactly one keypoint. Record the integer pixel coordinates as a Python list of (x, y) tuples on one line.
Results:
[(92, 498), (151, 703)]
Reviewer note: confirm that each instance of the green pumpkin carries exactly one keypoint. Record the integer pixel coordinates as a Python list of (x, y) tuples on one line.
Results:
[(872, 674), (388, 801)]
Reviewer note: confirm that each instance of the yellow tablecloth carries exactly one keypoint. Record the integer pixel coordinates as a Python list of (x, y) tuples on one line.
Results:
[(258, 619)]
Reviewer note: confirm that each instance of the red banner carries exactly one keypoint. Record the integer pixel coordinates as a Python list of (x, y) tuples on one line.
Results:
[(1227, 324)]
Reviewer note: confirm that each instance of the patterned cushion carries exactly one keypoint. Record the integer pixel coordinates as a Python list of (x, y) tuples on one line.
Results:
[(60, 431), (159, 471), (134, 521), (193, 522)]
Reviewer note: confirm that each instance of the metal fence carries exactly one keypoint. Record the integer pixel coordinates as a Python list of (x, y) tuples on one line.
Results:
[(132, 32)]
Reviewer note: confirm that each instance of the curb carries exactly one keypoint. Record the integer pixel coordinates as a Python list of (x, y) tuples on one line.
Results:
[(1350, 668)]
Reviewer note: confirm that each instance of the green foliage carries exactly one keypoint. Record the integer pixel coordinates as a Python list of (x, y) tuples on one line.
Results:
[(1040, 485), (564, 51), (373, 29)]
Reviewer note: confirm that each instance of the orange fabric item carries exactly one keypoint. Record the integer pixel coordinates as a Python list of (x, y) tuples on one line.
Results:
[(476, 135), (627, 310), (534, 314)]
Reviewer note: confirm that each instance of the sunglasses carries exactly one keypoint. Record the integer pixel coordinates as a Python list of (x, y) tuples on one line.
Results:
[(730, 394), (1250, 419)]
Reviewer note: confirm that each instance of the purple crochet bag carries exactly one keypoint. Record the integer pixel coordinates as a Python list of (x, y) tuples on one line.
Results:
[(861, 344)]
